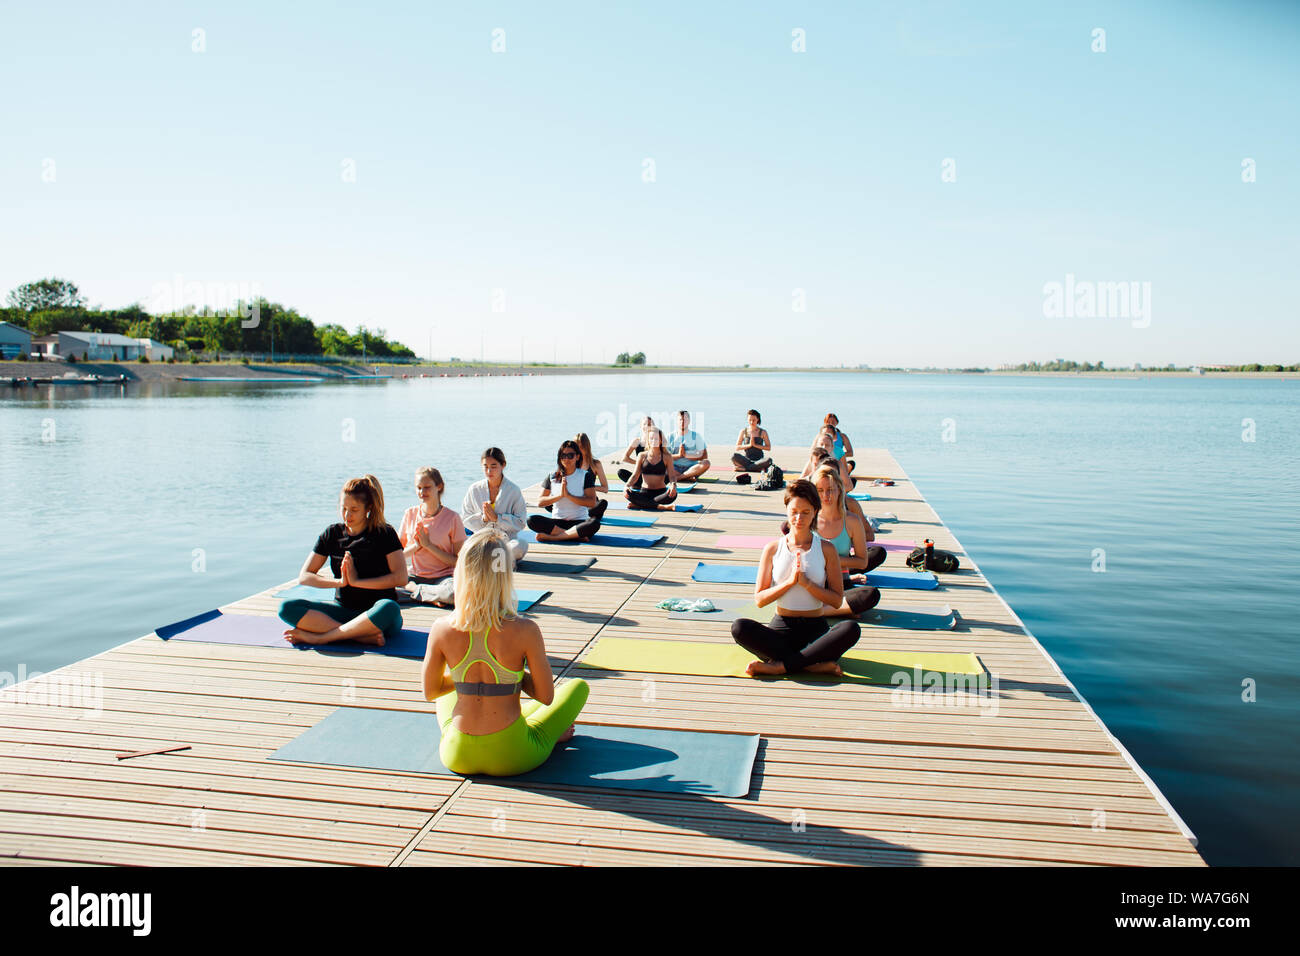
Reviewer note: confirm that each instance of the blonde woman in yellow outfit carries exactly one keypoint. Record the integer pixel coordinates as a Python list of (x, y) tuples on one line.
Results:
[(493, 654)]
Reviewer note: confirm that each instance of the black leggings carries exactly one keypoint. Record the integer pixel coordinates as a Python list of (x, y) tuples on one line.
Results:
[(796, 642), (649, 499), (875, 558), (588, 526), (752, 459)]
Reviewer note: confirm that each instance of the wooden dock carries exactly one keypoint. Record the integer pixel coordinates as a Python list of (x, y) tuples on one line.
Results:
[(843, 776)]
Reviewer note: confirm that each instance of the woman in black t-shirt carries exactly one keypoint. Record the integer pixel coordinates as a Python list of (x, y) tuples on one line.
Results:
[(367, 562)]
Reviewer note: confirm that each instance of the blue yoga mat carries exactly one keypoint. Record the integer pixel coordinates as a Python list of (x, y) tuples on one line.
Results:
[(611, 540), (526, 598), (748, 574), (630, 519), (257, 630), (725, 573), (859, 496), (683, 488), (616, 505), (624, 758), (911, 580)]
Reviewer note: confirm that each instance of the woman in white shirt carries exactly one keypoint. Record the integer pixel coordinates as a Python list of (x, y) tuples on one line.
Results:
[(496, 503), (569, 493)]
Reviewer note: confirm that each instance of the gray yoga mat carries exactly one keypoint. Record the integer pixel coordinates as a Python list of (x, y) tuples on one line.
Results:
[(623, 758), (547, 566)]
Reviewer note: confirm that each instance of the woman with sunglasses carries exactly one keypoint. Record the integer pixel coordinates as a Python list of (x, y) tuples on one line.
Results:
[(569, 493)]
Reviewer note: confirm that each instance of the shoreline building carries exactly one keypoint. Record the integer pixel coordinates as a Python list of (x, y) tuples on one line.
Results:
[(104, 347), (14, 341)]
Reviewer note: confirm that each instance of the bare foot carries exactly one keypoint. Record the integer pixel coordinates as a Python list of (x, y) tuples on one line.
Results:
[(825, 667), (568, 734), (764, 668), (375, 640), (296, 635)]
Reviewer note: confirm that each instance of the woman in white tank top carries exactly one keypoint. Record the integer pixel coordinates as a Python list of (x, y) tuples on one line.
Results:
[(799, 573)]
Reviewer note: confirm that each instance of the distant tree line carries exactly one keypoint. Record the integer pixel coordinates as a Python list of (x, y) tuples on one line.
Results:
[(56, 305), (1061, 365), (627, 358)]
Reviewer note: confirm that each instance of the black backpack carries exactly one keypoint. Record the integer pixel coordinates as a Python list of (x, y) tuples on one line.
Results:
[(773, 480), (940, 560)]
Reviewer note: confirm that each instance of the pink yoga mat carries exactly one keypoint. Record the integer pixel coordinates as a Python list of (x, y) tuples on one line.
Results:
[(758, 541)]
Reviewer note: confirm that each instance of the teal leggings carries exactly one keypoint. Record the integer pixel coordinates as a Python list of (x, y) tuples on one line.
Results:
[(519, 748), (384, 614)]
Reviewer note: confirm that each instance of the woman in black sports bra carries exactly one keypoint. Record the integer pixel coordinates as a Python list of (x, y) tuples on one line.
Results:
[(653, 484)]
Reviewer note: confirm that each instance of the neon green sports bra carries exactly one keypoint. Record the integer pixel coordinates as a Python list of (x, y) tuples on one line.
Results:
[(507, 681)]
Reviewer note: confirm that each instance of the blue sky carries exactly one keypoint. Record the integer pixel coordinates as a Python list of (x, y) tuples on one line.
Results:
[(775, 171)]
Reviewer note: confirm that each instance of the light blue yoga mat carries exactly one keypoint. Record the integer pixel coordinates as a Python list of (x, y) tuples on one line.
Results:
[(526, 598), (610, 540), (259, 630), (630, 519), (912, 580), (859, 496), (616, 505), (725, 573), (748, 574), (624, 758)]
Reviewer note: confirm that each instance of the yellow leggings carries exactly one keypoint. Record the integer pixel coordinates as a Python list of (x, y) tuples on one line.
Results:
[(519, 748)]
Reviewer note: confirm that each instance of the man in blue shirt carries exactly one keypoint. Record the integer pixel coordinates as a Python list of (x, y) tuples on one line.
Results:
[(688, 450)]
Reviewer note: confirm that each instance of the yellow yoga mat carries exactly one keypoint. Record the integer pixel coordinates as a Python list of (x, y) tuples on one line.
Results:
[(633, 655)]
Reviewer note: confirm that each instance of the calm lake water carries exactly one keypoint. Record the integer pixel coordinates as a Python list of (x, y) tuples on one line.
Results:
[(114, 499)]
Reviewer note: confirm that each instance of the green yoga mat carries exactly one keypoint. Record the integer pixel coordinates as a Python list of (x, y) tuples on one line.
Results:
[(931, 617), (620, 758), (639, 656)]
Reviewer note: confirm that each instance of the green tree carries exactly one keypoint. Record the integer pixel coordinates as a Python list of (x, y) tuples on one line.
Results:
[(47, 294), (638, 359)]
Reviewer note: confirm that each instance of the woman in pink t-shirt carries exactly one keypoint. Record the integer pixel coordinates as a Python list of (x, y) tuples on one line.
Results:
[(431, 535)]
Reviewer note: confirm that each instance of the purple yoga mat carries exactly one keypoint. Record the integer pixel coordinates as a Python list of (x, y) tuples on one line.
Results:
[(758, 541), (256, 630)]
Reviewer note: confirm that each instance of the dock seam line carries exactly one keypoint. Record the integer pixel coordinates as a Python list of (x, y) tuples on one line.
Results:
[(429, 824)]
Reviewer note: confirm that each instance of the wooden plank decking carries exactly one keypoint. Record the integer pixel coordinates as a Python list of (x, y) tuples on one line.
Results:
[(844, 776)]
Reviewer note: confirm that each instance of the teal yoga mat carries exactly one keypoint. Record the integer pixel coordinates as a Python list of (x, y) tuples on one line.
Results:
[(526, 597), (748, 574), (623, 758)]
